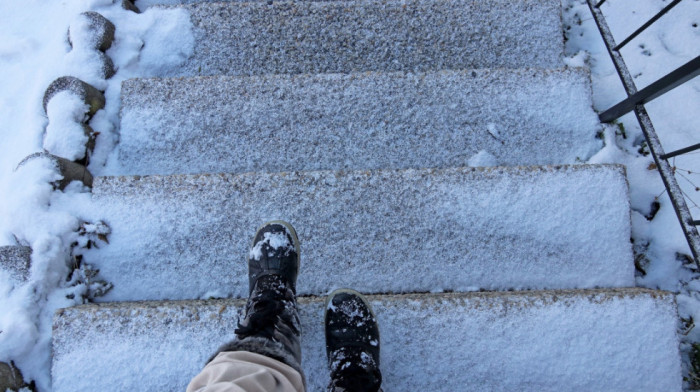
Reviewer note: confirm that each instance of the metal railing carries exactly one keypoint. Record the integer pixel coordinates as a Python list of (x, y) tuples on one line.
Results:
[(635, 102)]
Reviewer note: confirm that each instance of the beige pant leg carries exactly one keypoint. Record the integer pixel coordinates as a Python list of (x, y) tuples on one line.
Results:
[(243, 371)]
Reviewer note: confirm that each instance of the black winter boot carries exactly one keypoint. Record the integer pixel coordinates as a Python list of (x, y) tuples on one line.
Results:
[(271, 324), (352, 343)]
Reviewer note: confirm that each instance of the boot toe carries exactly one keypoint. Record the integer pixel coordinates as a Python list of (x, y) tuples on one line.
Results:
[(275, 251)]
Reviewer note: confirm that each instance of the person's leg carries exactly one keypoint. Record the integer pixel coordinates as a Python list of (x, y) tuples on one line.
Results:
[(352, 343), (244, 371), (271, 327)]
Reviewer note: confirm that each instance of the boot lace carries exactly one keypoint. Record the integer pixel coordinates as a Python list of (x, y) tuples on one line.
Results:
[(268, 305)]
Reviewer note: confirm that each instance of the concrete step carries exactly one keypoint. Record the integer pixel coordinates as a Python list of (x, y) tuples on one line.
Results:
[(595, 340), (386, 231), (15, 262), (145, 4), (233, 38), (359, 121)]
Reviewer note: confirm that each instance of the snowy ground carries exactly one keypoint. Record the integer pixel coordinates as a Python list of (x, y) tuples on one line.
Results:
[(660, 248), (34, 51)]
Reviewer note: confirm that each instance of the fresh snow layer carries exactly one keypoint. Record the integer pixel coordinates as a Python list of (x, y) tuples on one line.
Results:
[(180, 237), (359, 121), (235, 38), (673, 40), (34, 51), (273, 241), (611, 340), (65, 134), (666, 45)]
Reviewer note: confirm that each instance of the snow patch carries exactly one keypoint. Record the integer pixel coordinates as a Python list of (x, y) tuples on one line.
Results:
[(65, 135), (483, 158), (579, 59), (273, 241), (35, 51), (153, 43), (659, 242)]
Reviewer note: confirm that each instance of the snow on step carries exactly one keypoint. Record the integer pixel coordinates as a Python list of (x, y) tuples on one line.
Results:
[(344, 36), (359, 121), (15, 262), (187, 237), (594, 340)]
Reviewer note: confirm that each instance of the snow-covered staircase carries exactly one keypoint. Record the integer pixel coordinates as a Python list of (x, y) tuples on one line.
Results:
[(358, 123)]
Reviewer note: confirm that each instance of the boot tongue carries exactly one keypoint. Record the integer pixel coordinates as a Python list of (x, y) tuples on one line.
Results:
[(267, 303), (262, 318)]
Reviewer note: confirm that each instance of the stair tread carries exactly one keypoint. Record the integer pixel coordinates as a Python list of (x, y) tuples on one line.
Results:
[(526, 341), (357, 121), (380, 231), (320, 37)]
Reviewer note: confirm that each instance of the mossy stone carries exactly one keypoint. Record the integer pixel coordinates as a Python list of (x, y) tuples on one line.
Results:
[(10, 377), (101, 31), (89, 94), (71, 171), (130, 6)]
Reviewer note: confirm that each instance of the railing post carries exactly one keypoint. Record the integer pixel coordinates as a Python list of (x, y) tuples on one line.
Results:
[(673, 189)]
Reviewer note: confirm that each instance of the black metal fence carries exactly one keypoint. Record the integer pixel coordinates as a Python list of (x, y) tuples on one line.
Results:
[(635, 102)]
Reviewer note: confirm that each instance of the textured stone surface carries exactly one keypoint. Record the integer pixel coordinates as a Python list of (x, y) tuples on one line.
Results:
[(617, 340), (15, 260), (89, 94), (94, 32), (150, 3), (309, 37), (358, 121), (378, 231), (10, 377), (129, 5), (71, 171), (107, 69)]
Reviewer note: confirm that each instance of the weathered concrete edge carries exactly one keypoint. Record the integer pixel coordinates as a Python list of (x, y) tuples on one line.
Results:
[(579, 71), (543, 296), (101, 182)]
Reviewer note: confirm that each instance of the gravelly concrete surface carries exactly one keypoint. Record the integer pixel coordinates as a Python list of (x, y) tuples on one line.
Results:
[(529, 341), (308, 37), (359, 121), (378, 231), (15, 261)]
